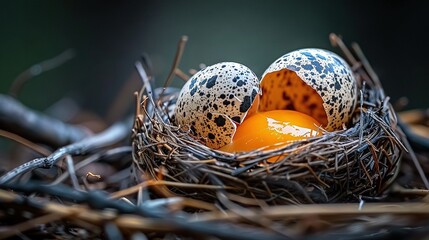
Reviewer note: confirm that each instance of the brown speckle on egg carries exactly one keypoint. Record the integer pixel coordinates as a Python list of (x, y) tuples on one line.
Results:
[(226, 93)]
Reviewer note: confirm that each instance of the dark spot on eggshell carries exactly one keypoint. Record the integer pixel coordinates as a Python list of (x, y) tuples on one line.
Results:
[(211, 82), (226, 102), (254, 93), (305, 98), (192, 85), (222, 96), (211, 136), (307, 67), (209, 115), (312, 106), (193, 91), (293, 68), (309, 56), (220, 121), (329, 68), (202, 82), (337, 85), (320, 56), (289, 106), (245, 105), (285, 96), (240, 83), (236, 119), (317, 66)]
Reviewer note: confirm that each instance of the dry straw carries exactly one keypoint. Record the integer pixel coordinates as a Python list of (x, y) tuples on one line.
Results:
[(343, 166)]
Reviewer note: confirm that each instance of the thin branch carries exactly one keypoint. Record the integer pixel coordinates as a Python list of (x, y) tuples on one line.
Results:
[(35, 126), (416, 162), (112, 135), (176, 62), (72, 172), (38, 69), (336, 41), (181, 74), (25, 142), (323, 210)]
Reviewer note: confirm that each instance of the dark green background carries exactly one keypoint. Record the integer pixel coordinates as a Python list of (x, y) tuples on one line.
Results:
[(108, 36)]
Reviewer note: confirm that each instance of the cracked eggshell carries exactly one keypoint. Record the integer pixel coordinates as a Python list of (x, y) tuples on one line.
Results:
[(313, 81), (215, 100)]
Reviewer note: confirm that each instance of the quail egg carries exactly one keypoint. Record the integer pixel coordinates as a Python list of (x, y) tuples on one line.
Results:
[(313, 81), (215, 100)]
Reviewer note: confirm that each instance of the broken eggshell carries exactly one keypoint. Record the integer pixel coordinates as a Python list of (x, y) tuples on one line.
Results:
[(215, 100), (313, 81)]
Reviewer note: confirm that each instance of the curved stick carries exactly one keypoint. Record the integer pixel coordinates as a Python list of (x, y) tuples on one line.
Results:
[(108, 137)]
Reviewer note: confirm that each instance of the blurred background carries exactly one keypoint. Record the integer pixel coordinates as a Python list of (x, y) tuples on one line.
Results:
[(107, 37)]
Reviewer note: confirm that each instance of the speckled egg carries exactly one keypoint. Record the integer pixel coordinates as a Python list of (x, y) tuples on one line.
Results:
[(215, 100), (313, 81)]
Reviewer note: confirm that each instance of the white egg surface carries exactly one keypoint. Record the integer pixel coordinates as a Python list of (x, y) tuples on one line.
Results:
[(215, 100), (313, 81)]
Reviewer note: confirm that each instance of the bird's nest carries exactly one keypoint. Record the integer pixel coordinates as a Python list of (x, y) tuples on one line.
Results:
[(342, 166)]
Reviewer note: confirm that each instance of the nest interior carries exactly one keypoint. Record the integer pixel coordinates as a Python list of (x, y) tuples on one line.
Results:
[(342, 166)]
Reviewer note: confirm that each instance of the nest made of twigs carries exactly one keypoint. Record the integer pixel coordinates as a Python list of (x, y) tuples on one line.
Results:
[(339, 166)]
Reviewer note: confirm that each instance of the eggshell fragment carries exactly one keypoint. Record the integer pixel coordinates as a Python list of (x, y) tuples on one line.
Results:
[(313, 81), (215, 99)]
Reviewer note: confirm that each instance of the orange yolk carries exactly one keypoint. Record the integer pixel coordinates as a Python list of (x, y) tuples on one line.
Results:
[(271, 129)]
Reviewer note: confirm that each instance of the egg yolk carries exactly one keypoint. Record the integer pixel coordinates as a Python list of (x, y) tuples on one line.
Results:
[(272, 129)]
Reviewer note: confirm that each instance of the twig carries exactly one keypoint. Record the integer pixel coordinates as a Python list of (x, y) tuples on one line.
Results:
[(396, 188), (368, 67), (149, 183), (37, 127), (72, 172), (25, 142), (143, 218), (336, 41), (91, 159), (108, 137), (181, 74), (176, 62), (323, 210), (416, 163), (38, 69)]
